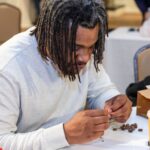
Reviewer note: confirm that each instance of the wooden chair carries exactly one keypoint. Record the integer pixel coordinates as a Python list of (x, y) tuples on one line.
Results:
[(142, 63), (10, 21)]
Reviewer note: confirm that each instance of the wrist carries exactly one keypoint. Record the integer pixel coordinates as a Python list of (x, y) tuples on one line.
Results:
[(67, 135)]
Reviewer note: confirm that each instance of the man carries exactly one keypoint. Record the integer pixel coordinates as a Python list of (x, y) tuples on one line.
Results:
[(51, 73), (144, 7)]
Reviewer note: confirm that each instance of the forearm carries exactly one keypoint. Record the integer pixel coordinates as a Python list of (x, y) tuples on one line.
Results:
[(100, 89), (43, 139), (99, 100)]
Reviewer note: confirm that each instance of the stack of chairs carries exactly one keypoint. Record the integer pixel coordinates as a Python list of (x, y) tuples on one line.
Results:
[(10, 21)]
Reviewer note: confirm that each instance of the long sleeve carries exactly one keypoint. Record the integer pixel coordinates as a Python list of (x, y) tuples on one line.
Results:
[(100, 88), (42, 139), (51, 138)]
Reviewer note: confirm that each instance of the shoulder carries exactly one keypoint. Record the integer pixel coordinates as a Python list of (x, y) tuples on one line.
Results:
[(15, 46)]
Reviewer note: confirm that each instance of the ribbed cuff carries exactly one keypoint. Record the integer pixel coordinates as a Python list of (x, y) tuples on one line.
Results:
[(107, 95), (55, 137)]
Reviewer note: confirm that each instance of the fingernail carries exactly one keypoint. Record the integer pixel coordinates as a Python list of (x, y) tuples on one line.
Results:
[(109, 110)]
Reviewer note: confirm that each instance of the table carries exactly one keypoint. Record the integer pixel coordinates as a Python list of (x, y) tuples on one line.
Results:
[(120, 140), (27, 11), (121, 46)]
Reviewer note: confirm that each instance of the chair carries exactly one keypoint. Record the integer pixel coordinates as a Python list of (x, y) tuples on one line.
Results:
[(10, 21), (142, 63)]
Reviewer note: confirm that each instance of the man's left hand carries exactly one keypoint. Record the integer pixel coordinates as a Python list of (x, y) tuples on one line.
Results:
[(119, 108)]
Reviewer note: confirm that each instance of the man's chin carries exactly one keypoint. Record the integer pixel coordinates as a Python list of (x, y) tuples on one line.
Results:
[(79, 69)]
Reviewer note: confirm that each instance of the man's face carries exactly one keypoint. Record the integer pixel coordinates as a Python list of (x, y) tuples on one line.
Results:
[(85, 44)]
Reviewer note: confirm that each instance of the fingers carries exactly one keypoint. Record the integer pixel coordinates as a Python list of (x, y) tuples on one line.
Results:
[(95, 135), (100, 120), (108, 106), (120, 111), (118, 102), (124, 109), (120, 107), (86, 125), (95, 113), (101, 127)]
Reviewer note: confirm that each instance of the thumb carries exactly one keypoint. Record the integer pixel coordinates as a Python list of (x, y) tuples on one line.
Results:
[(108, 105)]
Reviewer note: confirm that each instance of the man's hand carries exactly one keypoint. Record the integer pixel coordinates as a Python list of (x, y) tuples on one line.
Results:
[(119, 108), (86, 126)]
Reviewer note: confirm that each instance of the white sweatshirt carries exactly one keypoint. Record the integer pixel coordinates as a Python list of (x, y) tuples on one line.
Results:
[(35, 101)]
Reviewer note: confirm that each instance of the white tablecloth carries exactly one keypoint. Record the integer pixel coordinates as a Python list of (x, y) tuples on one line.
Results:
[(120, 140), (121, 46), (27, 11)]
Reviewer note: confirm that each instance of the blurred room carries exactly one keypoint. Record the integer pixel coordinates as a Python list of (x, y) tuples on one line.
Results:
[(120, 13), (123, 13), (54, 75), (124, 22)]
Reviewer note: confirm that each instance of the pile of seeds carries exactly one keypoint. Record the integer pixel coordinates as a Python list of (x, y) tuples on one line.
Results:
[(129, 127)]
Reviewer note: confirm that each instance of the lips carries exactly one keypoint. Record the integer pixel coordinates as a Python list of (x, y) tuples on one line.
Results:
[(80, 66)]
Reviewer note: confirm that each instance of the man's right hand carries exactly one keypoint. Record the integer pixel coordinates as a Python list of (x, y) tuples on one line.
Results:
[(86, 126)]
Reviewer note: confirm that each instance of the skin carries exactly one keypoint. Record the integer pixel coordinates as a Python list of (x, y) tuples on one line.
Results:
[(88, 125), (85, 42), (119, 108), (147, 15)]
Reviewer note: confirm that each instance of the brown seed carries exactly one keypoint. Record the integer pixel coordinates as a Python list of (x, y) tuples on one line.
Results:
[(130, 130), (140, 130), (123, 127), (135, 125), (114, 129), (127, 126)]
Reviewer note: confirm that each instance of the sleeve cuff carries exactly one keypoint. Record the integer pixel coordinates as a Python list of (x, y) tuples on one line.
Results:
[(55, 137), (108, 95)]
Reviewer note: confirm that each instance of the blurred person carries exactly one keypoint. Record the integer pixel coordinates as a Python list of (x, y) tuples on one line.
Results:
[(54, 90), (144, 6)]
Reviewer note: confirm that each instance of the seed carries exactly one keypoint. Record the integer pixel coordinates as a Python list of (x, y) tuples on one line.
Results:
[(140, 130)]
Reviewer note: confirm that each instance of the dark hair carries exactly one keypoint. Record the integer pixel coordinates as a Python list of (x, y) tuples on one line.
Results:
[(56, 30)]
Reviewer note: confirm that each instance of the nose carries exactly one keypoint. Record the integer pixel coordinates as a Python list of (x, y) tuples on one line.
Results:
[(82, 57)]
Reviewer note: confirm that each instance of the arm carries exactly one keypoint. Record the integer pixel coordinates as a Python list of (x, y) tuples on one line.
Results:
[(10, 138), (103, 94), (100, 88)]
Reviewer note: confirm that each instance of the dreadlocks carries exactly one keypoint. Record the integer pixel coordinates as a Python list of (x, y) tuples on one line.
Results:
[(57, 26)]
